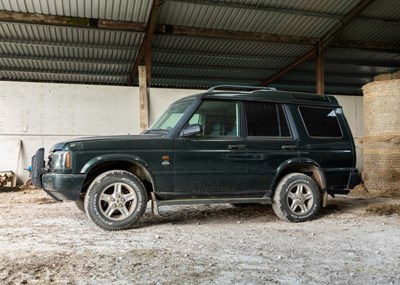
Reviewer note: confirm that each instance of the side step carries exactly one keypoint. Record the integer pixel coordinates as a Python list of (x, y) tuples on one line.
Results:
[(157, 203)]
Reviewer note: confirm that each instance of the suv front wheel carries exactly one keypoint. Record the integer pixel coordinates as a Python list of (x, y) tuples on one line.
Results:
[(116, 200), (296, 198)]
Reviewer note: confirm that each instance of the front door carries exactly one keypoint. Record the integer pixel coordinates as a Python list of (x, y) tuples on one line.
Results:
[(212, 164)]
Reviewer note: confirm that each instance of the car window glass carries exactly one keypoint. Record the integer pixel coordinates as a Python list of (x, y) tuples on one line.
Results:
[(321, 122), (218, 118), (262, 119)]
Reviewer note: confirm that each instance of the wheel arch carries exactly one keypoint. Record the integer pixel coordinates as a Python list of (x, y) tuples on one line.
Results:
[(308, 167), (132, 164)]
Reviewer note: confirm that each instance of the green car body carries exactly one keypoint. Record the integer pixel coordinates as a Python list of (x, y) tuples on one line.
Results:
[(216, 147)]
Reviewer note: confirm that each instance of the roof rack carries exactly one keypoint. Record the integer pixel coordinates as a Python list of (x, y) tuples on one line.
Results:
[(240, 87)]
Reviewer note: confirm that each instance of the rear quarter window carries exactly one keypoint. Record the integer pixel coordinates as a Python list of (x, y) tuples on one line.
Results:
[(321, 122)]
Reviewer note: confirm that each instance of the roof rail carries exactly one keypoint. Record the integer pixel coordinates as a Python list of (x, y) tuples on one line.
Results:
[(240, 87)]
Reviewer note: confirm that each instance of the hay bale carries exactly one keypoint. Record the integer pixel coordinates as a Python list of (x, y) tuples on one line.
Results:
[(382, 135), (385, 76)]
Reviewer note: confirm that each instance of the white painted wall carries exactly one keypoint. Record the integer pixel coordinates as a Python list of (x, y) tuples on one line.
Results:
[(34, 115)]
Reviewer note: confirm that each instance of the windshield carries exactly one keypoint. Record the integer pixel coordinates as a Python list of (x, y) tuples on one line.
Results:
[(170, 118)]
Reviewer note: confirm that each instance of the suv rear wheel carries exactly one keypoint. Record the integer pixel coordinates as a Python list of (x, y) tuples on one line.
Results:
[(296, 198), (116, 200)]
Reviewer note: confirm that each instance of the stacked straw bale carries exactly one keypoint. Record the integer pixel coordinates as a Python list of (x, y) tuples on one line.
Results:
[(382, 135)]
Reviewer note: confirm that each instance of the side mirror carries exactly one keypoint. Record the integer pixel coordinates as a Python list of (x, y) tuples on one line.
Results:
[(191, 130)]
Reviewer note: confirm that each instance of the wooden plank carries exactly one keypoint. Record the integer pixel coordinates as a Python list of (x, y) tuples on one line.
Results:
[(320, 76), (143, 98), (233, 35)]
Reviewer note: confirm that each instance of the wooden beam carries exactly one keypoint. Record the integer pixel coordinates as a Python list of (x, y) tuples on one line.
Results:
[(308, 55), (320, 79), (143, 98), (52, 20), (233, 35), (148, 65), (147, 40)]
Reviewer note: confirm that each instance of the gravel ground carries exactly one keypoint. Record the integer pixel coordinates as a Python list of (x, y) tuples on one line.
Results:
[(42, 242)]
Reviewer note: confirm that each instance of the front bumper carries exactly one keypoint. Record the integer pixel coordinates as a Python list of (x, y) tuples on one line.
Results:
[(63, 186), (59, 186)]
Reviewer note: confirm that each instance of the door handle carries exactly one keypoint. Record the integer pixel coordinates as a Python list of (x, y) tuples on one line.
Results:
[(290, 147), (237, 147)]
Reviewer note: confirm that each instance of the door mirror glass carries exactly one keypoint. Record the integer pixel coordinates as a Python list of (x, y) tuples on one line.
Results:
[(191, 130)]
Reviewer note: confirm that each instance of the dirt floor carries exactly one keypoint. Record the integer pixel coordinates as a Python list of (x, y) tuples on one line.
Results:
[(352, 241)]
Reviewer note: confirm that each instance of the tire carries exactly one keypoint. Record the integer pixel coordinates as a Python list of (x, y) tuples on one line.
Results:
[(116, 200), (297, 198)]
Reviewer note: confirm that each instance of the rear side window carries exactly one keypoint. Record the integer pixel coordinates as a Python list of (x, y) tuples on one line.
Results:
[(266, 119), (321, 122)]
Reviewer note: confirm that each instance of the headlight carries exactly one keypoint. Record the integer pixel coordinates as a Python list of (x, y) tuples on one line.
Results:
[(61, 160)]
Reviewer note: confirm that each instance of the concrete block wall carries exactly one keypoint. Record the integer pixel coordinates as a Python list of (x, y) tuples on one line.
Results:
[(34, 115)]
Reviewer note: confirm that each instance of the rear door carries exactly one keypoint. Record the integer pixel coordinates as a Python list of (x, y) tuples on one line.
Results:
[(324, 141), (270, 144)]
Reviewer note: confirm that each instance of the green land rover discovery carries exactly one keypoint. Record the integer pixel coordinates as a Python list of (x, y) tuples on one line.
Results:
[(258, 145)]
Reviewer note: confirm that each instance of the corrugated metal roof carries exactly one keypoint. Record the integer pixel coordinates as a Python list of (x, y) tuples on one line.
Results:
[(60, 53), (245, 20), (68, 35), (377, 31), (78, 53)]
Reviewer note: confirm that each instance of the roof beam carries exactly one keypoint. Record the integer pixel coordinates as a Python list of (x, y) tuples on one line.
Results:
[(52, 20), (233, 35), (63, 21), (147, 40)]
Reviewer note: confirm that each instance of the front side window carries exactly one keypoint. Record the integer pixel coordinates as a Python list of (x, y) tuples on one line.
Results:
[(266, 119), (321, 122), (218, 118)]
